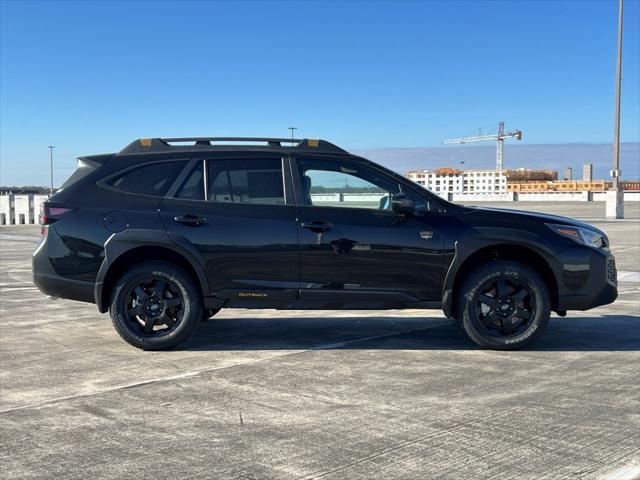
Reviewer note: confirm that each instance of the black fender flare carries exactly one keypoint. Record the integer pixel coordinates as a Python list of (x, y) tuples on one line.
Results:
[(479, 238), (120, 243)]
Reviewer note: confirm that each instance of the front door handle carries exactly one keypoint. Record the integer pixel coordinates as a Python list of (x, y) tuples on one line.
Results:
[(316, 226), (191, 220)]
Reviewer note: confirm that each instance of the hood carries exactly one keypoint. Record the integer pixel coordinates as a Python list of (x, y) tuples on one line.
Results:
[(542, 217)]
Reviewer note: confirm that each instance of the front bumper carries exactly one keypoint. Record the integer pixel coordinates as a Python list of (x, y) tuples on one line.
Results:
[(588, 280)]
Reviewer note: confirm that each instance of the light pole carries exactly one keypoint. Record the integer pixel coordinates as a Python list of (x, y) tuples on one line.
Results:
[(293, 129), (51, 147), (615, 199), (616, 129)]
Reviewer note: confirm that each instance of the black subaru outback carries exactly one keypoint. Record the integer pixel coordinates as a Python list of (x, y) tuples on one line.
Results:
[(168, 231)]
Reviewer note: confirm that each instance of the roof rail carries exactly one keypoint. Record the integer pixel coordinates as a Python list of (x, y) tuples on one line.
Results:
[(154, 145)]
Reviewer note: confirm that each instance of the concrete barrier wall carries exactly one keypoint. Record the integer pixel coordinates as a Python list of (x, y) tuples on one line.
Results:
[(325, 197), (38, 200), (6, 210), (25, 209), (20, 209), (628, 196), (554, 197), (482, 197), (536, 197), (362, 197), (346, 197)]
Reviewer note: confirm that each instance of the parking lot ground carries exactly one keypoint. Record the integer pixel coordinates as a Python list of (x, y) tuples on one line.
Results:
[(302, 395)]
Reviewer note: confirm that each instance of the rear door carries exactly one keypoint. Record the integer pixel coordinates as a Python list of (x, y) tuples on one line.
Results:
[(238, 212)]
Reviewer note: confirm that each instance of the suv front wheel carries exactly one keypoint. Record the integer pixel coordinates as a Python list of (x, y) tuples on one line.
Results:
[(503, 305), (155, 306)]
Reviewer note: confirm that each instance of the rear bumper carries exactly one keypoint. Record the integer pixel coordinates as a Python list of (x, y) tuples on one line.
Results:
[(50, 283)]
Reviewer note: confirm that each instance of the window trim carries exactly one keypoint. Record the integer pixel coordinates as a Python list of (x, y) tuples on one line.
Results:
[(405, 185), (205, 180), (104, 181), (284, 168)]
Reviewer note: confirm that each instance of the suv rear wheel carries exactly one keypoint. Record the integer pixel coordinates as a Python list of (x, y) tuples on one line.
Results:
[(155, 306), (503, 305)]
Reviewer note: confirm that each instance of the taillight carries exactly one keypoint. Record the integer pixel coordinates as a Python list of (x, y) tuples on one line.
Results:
[(50, 212)]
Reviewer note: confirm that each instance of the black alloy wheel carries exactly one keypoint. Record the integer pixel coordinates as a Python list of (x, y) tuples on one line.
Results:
[(154, 306), (505, 306)]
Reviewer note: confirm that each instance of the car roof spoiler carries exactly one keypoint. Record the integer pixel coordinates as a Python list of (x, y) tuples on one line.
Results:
[(96, 160), (157, 145)]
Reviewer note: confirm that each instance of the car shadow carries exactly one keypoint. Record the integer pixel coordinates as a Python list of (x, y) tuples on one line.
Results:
[(603, 333)]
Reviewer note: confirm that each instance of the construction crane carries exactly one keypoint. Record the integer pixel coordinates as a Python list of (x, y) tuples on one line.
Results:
[(499, 138)]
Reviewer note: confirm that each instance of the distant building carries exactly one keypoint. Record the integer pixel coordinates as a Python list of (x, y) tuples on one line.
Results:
[(530, 175), (458, 181), (630, 185), (559, 186), (587, 172), (568, 174)]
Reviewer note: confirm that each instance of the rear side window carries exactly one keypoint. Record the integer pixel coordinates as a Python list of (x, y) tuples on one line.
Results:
[(245, 181), (153, 179)]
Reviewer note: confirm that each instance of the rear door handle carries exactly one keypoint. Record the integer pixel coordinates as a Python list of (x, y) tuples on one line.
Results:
[(316, 226), (191, 220)]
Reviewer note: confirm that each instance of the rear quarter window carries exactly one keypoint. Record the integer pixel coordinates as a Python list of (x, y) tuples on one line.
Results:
[(152, 179)]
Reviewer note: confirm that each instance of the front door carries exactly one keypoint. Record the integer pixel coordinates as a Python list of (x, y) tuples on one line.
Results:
[(355, 252), (239, 215)]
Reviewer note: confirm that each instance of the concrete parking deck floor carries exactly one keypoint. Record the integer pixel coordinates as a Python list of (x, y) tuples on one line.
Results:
[(332, 395)]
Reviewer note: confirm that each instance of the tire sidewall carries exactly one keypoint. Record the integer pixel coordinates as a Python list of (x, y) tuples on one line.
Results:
[(192, 305), (472, 326)]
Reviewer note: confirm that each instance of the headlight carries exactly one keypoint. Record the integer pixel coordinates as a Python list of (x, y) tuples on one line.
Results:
[(583, 236)]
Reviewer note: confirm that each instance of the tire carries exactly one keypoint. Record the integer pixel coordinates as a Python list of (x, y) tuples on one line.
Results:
[(155, 306), (503, 305)]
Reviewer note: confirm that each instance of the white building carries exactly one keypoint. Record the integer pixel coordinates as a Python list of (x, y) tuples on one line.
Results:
[(457, 181)]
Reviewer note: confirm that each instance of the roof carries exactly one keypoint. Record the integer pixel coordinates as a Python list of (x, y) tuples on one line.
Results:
[(170, 145)]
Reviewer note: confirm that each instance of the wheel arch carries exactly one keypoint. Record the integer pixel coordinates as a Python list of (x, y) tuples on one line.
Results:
[(525, 254), (124, 251)]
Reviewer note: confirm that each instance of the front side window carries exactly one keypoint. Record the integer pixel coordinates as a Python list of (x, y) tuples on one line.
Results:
[(245, 181), (336, 183), (152, 179)]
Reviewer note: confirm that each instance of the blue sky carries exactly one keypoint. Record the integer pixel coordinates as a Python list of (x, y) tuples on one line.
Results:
[(89, 77)]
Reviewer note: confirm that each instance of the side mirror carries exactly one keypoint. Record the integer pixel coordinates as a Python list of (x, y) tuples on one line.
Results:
[(401, 203)]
